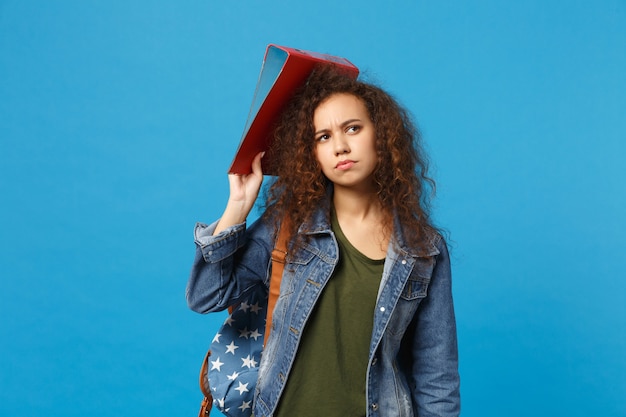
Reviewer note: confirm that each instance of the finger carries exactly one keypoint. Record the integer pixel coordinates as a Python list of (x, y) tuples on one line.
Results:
[(257, 168)]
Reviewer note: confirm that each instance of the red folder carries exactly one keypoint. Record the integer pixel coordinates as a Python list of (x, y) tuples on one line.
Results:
[(283, 71)]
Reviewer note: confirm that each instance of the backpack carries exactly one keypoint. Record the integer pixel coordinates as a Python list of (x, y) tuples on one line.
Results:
[(232, 393)]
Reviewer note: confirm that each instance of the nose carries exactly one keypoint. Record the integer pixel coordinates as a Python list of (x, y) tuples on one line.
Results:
[(341, 145)]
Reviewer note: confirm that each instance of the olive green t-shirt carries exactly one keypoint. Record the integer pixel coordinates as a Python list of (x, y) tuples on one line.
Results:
[(329, 371)]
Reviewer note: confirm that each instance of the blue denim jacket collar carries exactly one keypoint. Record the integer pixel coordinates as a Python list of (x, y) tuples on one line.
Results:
[(319, 223)]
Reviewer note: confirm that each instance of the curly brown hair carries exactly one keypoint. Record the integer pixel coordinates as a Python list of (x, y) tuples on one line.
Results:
[(401, 179)]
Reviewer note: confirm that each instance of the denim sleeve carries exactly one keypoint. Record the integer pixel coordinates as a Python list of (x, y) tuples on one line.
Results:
[(436, 384), (227, 266)]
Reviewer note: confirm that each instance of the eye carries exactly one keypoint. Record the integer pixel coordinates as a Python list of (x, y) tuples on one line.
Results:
[(353, 129), (322, 138)]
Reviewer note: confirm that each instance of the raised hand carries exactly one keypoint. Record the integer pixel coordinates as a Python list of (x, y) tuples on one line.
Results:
[(244, 190)]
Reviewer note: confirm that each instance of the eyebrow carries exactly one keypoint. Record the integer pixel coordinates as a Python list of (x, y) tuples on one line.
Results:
[(343, 124)]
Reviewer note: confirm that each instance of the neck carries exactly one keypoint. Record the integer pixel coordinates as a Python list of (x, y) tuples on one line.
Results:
[(362, 220), (356, 204)]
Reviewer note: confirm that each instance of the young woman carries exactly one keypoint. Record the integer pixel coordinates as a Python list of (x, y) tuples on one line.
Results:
[(364, 324)]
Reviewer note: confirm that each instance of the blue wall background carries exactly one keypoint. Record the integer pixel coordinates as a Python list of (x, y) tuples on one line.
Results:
[(119, 119)]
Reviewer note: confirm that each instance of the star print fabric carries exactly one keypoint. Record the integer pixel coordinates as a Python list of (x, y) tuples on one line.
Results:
[(235, 355)]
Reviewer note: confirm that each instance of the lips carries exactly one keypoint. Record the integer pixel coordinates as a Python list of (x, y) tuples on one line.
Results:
[(345, 164)]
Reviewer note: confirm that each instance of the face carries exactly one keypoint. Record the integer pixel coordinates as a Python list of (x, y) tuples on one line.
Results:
[(345, 142)]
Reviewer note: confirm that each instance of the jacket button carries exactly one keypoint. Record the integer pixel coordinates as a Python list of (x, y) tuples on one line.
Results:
[(375, 407)]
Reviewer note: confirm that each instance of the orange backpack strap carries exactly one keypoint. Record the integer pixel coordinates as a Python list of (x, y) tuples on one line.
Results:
[(207, 402), (278, 265)]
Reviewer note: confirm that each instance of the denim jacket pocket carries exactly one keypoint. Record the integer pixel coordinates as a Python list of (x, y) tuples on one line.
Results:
[(414, 291), (417, 284), (296, 267)]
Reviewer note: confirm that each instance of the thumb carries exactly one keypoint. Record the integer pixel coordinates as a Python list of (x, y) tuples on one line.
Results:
[(257, 168)]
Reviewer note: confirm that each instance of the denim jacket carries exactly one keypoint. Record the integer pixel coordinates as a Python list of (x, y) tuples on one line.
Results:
[(413, 361)]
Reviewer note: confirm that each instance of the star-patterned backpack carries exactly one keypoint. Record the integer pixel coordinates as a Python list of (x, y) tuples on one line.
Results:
[(230, 368)]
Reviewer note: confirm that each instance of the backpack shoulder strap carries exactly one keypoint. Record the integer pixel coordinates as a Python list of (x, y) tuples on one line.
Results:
[(278, 265), (207, 402)]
